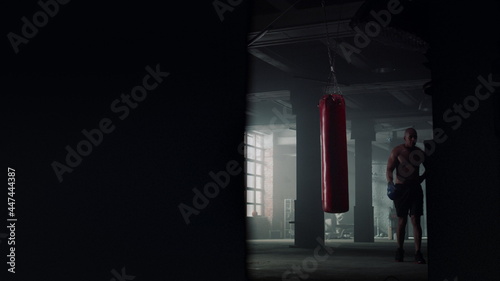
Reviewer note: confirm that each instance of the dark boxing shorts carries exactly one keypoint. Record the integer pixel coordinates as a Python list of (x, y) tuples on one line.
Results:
[(410, 200)]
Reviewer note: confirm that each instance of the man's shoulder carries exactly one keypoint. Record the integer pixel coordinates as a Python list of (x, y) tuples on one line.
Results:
[(398, 148)]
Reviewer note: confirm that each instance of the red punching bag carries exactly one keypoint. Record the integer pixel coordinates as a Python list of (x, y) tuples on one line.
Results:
[(334, 180)]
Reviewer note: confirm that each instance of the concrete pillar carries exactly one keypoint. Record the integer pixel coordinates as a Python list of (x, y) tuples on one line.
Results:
[(363, 133), (309, 216)]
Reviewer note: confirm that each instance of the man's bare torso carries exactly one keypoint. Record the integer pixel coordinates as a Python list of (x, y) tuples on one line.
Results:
[(406, 170)]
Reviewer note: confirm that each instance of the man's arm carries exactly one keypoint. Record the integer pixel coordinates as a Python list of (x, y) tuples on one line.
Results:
[(422, 177), (391, 165)]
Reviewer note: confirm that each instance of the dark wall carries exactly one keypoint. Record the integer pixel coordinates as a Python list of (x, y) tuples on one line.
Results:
[(463, 184), (119, 207)]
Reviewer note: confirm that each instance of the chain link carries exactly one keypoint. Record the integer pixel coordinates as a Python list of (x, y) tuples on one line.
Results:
[(332, 84)]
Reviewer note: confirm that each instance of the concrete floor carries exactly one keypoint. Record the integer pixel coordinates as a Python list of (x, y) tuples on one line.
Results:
[(345, 260)]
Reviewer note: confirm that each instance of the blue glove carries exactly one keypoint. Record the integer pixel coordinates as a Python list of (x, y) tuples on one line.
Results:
[(391, 190)]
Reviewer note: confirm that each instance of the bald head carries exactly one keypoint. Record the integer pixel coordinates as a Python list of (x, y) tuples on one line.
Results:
[(410, 137), (410, 131)]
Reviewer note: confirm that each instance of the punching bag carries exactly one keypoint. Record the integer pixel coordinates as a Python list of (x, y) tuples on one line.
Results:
[(334, 181)]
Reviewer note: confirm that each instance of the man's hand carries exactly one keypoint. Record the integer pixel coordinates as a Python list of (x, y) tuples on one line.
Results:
[(391, 190), (422, 177)]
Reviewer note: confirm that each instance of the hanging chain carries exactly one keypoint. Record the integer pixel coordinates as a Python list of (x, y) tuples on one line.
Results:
[(332, 84)]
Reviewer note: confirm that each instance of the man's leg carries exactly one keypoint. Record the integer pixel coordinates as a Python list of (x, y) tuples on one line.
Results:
[(400, 233), (417, 235), (417, 232), (416, 212)]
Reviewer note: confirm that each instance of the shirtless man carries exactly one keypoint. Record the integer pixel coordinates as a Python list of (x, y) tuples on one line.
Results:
[(406, 159)]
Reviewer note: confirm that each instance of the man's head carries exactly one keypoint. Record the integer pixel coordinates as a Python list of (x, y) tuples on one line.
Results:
[(410, 137)]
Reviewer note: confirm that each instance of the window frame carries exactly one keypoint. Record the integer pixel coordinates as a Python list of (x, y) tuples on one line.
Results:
[(254, 172)]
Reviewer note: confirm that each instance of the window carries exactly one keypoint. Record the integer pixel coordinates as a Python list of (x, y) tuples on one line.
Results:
[(254, 171)]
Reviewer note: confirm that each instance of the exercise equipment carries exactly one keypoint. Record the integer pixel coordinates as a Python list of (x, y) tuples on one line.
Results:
[(334, 173)]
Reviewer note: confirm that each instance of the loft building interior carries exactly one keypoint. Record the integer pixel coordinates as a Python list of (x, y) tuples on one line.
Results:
[(379, 52), (224, 77)]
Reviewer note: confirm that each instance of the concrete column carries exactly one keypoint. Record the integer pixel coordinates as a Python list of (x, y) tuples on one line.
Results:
[(363, 133), (309, 216)]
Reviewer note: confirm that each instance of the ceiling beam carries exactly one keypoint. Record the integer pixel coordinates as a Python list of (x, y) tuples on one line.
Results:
[(279, 64), (303, 33), (269, 96), (363, 89), (352, 104), (400, 115), (354, 59), (278, 61), (404, 97)]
